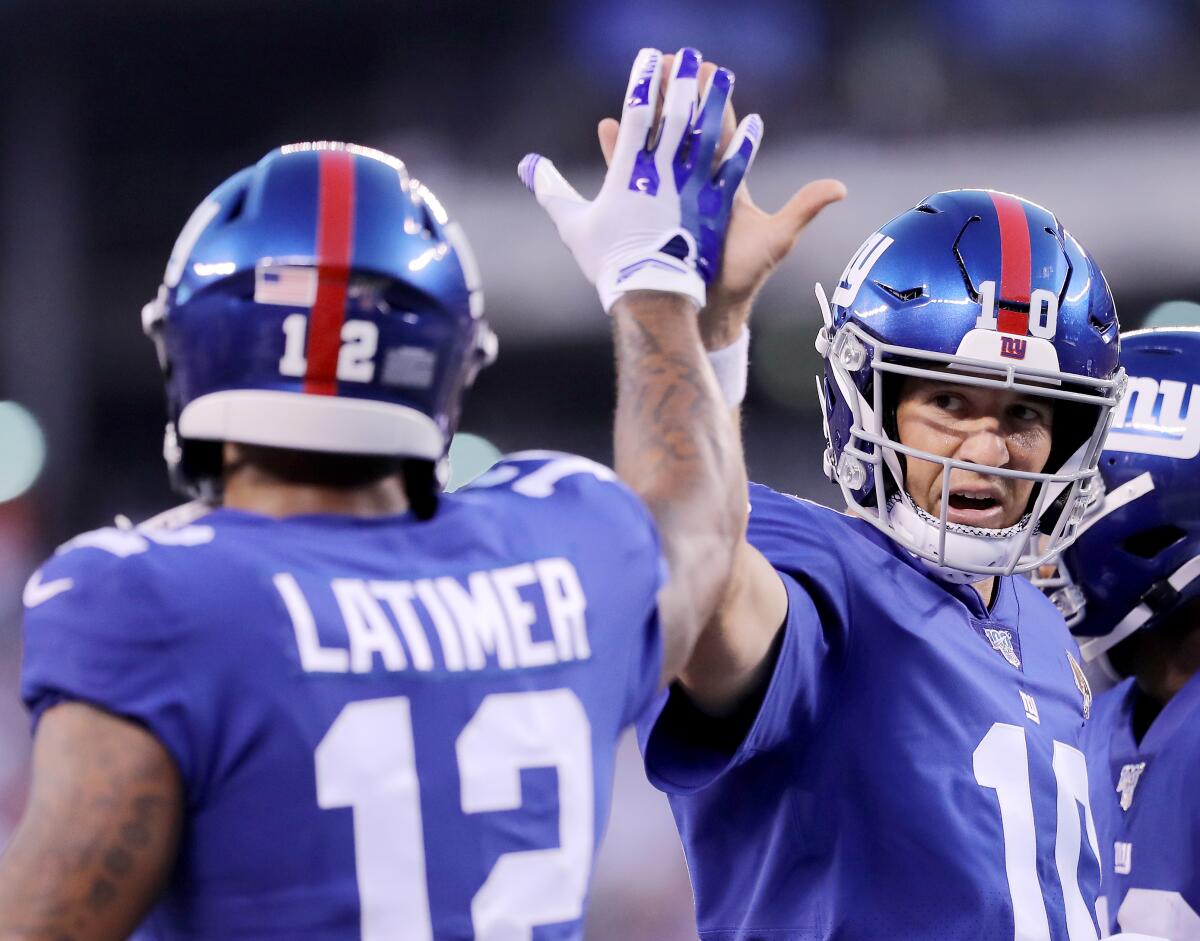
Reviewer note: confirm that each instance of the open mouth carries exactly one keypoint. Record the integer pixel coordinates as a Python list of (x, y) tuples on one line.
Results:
[(976, 509), (966, 501)]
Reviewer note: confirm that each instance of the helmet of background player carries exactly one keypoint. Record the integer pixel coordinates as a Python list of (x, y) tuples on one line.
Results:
[(1137, 556), (320, 300), (987, 290)]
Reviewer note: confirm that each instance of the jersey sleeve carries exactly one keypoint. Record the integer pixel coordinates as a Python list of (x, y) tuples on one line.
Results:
[(94, 633), (617, 548), (685, 750)]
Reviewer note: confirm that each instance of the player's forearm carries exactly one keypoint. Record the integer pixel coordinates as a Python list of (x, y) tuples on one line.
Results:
[(677, 448), (99, 834)]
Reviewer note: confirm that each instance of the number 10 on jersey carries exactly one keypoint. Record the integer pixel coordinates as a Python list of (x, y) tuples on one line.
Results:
[(1001, 764)]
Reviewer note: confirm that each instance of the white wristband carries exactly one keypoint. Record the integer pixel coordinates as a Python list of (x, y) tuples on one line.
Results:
[(732, 365)]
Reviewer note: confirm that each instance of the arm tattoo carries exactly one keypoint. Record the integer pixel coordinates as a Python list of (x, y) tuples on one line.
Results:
[(99, 834), (678, 449), (674, 410)]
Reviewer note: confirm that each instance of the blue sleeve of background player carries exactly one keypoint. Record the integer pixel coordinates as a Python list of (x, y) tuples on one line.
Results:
[(685, 750), (94, 633)]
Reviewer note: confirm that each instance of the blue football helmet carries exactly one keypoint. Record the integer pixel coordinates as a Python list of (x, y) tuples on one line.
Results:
[(1137, 555), (988, 290), (319, 300)]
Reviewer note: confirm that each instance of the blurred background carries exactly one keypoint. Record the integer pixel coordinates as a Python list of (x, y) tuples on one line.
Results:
[(117, 118)]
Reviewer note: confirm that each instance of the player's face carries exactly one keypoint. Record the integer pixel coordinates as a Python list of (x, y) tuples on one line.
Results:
[(995, 428)]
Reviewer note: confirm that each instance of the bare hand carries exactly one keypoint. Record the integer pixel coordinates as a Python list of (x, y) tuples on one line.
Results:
[(757, 241)]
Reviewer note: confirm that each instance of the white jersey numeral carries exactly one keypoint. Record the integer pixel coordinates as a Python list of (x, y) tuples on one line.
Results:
[(367, 761), (356, 358), (1001, 763), (512, 731), (1160, 914)]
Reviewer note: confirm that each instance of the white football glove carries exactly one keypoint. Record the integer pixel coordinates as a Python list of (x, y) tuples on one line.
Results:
[(658, 222)]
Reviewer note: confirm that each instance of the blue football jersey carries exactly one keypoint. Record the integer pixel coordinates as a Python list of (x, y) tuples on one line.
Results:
[(386, 728), (1146, 798), (913, 769)]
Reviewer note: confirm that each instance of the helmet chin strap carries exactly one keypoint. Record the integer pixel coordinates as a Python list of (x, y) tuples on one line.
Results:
[(968, 549), (1094, 647)]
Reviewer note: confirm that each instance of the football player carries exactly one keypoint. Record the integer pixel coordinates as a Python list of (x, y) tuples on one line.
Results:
[(879, 734), (326, 701), (1130, 589)]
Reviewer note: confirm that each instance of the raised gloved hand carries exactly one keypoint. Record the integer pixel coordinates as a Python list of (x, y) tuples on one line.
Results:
[(659, 221)]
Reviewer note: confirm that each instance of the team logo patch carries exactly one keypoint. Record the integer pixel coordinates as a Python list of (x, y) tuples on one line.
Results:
[(1130, 775), (1002, 642), (1081, 683), (1013, 347)]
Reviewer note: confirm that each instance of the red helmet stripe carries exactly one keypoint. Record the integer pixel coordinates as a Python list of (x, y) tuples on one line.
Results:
[(1015, 278), (335, 231)]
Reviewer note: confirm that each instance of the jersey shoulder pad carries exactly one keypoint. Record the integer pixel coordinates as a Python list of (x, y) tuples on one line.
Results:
[(574, 490), (544, 474), (108, 562), (820, 547), (788, 520), (557, 478), (101, 618)]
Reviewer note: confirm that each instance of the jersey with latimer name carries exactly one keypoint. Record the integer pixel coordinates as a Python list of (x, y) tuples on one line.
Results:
[(386, 728), (913, 769), (1146, 798)]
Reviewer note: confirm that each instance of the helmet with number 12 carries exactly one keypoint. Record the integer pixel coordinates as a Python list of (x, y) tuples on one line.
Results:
[(320, 300), (987, 290)]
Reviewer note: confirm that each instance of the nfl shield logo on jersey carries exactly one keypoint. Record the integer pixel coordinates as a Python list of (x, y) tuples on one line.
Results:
[(1130, 775), (1002, 641)]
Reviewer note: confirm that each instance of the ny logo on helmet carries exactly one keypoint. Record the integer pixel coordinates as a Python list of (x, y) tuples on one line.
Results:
[(859, 267), (1155, 419), (1013, 347)]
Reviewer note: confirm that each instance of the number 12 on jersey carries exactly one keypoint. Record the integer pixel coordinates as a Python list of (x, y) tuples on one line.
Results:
[(1001, 763), (367, 761)]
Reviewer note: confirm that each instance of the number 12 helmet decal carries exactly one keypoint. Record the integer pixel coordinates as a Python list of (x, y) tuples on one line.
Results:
[(987, 290), (320, 300)]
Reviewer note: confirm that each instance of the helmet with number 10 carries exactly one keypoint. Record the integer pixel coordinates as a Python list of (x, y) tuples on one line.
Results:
[(319, 300), (983, 289)]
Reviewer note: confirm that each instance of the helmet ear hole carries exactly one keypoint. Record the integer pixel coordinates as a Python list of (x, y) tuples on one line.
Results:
[(1149, 543)]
